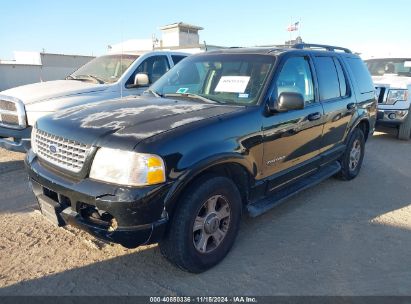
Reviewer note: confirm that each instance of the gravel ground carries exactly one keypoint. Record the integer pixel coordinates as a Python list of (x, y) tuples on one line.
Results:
[(339, 238)]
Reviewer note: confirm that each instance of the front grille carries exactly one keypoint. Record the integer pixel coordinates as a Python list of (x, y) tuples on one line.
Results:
[(64, 153)]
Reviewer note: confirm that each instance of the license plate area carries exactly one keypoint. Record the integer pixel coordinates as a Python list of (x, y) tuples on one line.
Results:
[(51, 210)]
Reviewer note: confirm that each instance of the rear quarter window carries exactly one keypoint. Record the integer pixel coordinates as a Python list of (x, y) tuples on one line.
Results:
[(361, 75)]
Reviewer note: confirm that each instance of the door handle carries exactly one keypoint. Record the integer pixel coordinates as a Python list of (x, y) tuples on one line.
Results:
[(351, 106), (314, 116)]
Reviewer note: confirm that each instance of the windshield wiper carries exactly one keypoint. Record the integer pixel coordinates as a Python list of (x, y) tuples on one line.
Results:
[(156, 94), (192, 96), (89, 76), (70, 77)]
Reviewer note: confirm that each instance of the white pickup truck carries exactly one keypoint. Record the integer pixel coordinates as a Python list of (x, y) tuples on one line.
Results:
[(392, 80), (105, 77)]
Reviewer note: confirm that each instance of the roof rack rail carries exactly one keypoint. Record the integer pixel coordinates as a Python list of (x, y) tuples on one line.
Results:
[(320, 46)]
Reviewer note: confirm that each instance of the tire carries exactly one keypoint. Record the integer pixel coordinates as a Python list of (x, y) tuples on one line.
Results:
[(404, 130), (352, 159), (183, 244)]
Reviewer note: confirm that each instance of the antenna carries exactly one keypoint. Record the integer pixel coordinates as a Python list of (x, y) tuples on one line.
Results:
[(121, 63)]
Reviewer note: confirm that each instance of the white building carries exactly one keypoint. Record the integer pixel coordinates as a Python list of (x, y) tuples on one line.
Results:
[(176, 36), (31, 67)]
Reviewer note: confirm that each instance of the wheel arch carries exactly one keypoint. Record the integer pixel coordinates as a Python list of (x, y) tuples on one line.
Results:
[(235, 167), (364, 124)]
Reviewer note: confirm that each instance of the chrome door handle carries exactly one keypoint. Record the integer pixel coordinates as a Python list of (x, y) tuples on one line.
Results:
[(314, 116)]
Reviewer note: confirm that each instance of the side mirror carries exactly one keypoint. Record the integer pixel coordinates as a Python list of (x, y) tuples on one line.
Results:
[(141, 80), (287, 101)]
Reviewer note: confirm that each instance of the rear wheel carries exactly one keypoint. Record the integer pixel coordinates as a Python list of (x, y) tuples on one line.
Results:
[(404, 130), (205, 224), (353, 156)]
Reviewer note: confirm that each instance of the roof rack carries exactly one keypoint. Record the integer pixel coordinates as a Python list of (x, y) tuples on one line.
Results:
[(320, 46)]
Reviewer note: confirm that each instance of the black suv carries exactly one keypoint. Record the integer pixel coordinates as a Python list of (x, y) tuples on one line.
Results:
[(221, 133)]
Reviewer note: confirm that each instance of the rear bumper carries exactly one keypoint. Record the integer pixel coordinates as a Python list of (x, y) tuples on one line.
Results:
[(15, 140), (393, 117), (139, 212)]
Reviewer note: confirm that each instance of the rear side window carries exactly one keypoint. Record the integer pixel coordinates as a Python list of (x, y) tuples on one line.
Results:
[(328, 83), (344, 89), (361, 75), (177, 58)]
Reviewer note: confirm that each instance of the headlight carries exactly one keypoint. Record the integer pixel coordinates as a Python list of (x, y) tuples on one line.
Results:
[(127, 168), (33, 140), (396, 95), (12, 112)]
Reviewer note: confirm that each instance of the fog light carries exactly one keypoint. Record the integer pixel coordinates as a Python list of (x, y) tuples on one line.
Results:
[(392, 116)]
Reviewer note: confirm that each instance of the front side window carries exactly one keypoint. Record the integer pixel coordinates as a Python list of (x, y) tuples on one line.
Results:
[(104, 69), (154, 67), (220, 78), (177, 58), (296, 77)]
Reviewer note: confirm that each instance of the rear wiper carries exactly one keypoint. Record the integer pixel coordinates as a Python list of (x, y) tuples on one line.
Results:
[(99, 80), (192, 96)]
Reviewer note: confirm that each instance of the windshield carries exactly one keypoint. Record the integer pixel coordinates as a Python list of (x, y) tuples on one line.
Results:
[(221, 78), (379, 67), (104, 69)]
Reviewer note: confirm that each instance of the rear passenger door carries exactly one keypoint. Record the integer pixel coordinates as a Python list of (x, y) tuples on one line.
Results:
[(338, 100)]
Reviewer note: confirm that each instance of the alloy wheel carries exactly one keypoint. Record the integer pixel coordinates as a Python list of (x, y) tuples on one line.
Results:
[(211, 224)]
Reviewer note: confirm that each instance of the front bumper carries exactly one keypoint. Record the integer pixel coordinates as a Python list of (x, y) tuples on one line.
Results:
[(15, 140), (139, 212), (391, 116)]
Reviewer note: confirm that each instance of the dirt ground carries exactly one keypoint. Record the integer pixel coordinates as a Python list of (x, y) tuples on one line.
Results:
[(339, 238)]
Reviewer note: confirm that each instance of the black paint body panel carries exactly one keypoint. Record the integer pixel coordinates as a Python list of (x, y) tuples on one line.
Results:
[(273, 149)]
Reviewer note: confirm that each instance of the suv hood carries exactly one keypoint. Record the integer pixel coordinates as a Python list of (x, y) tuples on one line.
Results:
[(40, 91), (123, 123), (392, 81)]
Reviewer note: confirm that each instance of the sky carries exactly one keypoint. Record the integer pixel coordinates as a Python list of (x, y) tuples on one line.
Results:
[(87, 27)]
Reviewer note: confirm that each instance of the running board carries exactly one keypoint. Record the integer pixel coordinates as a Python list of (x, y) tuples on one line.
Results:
[(261, 206)]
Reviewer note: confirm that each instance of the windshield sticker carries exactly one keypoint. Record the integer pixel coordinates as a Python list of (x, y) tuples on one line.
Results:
[(407, 64), (182, 90), (242, 95), (232, 84)]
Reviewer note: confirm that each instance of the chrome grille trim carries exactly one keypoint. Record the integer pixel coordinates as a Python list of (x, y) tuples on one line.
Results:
[(70, 155)]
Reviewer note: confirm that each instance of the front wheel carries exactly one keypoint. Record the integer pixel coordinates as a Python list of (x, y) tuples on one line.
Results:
[(404, 130), (205, 224), (352, 159)]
